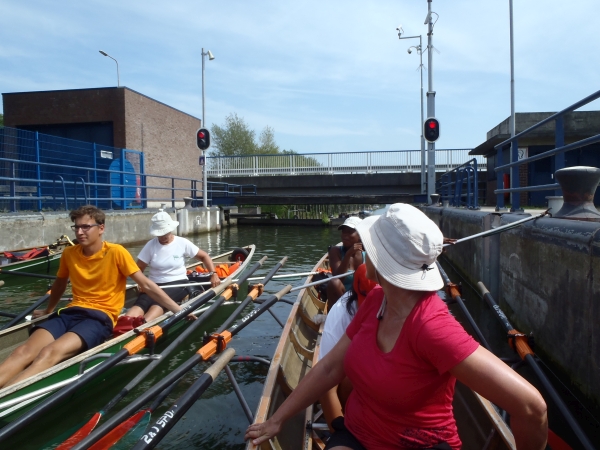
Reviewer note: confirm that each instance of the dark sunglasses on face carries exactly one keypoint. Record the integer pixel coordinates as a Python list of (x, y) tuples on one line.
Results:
[(86, 227)]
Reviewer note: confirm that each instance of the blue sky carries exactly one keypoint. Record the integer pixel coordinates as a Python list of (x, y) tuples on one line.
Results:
[(326, 75)]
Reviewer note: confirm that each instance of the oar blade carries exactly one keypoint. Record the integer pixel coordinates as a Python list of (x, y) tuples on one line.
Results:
[(119, 431), (81, 433), (134, 434)]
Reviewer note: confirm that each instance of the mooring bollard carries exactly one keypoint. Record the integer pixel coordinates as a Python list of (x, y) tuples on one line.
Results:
[(578, 184), (435, 199), (187, 202)]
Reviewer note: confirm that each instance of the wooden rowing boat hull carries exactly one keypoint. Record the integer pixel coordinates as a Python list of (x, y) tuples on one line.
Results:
[(298, 350), (70, 368)]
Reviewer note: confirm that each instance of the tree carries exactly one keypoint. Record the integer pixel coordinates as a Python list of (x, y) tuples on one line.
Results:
[(267, 145), (1, 120), (235, 138)]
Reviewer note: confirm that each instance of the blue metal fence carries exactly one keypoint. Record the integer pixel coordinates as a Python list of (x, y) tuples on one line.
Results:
[(41, 172), (558, 154), (460, 185)]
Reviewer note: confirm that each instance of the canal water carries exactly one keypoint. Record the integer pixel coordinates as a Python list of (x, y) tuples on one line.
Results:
[(216, 420)]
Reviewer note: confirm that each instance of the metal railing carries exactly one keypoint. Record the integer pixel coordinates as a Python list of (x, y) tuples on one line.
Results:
[(557, 153), (121, 189), (401, 161), (460, 185)]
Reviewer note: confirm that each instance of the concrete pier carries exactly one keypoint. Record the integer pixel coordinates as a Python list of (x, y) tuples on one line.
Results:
[(544, 274), (36, 229)]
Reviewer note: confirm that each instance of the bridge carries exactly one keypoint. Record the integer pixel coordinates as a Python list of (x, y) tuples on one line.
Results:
[(333, 178)]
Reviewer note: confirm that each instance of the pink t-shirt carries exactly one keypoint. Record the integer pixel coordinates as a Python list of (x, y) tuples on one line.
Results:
[(403, 399)]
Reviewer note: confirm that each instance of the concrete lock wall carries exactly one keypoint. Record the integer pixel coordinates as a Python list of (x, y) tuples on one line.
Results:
[(545, 275), (38, 229)]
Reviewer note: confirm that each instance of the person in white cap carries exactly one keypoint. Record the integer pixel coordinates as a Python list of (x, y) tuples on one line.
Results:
[(165, 255), (403, 353), (343, 258)]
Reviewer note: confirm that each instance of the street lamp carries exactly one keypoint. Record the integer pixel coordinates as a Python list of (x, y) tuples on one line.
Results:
[(419, 50), (106, 54), (204, 171)]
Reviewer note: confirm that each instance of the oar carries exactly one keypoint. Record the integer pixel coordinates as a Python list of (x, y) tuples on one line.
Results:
[(518, 342), (134, 427), (115, 434), (499, 229), (217, 342), (183, 404), (208, 283), (132, 347), (452, 290), (314, 283), (91, 424), (26, 274), (28, 311), (170, 417)]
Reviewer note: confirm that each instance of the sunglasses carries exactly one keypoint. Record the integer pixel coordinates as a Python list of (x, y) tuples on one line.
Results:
[(85, 228)]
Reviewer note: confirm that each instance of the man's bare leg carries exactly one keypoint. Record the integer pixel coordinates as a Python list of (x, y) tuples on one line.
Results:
[(23, 355), (65, 347)]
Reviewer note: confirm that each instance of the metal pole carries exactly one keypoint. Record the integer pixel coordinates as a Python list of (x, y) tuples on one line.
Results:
[(430, 105), (423, 154), (515, 196), (204, 174)]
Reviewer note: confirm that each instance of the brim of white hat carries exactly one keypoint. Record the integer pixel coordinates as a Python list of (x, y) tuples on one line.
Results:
[(164, 230), (388, 268), (347, 226)]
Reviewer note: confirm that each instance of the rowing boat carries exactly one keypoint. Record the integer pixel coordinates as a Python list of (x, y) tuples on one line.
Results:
[(45, 261), (20, 397), (479, 422)]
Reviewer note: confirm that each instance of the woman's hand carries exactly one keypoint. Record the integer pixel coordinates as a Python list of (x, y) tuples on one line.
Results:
[(260, 432)]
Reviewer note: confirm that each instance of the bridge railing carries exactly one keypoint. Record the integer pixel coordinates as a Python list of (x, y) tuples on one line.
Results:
[(400, 161)]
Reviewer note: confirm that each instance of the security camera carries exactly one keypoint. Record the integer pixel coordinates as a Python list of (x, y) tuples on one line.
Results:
[(409, 51), (400, 30)]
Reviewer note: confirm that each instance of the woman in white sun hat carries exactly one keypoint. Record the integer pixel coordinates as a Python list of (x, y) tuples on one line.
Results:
[(404, 351), (165, 255)]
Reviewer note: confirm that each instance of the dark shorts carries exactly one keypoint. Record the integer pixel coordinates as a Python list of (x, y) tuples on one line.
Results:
[(177, 294), (91, 325), (342, 437)]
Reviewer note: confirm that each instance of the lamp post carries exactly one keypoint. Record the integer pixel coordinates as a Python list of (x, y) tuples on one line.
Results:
[(419, 49), (117, 62), (204, 171)]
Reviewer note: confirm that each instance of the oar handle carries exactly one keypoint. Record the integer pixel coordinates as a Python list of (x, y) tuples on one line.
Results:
[(498, 229)]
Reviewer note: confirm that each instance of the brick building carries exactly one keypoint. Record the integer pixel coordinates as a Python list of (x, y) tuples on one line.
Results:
[(117, 117)]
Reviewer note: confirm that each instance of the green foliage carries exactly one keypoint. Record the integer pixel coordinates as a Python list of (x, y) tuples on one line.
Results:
[(1, 120), (235, 138)]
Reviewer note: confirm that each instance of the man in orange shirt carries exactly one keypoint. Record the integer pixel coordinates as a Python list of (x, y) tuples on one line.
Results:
[(98, 271)]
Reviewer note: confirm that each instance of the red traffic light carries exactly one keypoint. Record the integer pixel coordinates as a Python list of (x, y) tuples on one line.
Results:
[(431, 129), (203, 139)]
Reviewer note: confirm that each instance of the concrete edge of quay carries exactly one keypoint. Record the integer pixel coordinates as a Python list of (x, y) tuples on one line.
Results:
[(34, 229), (544, 274)]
